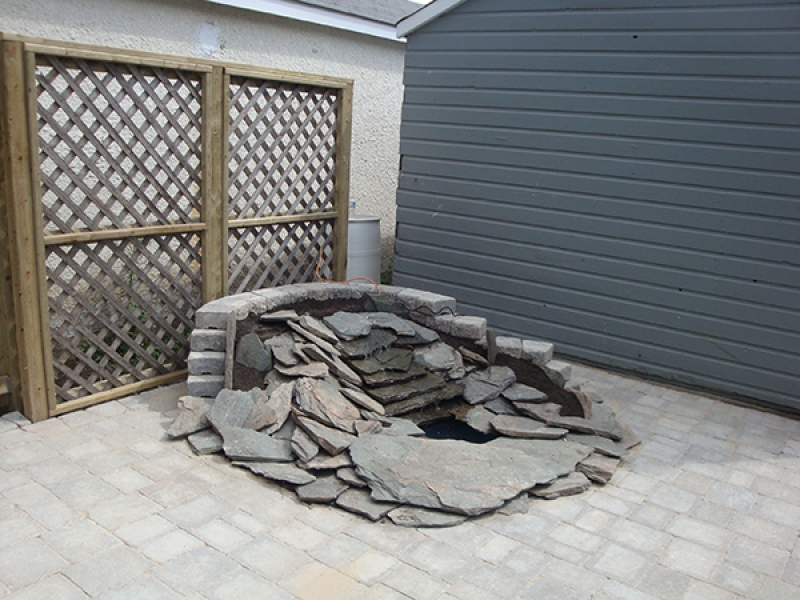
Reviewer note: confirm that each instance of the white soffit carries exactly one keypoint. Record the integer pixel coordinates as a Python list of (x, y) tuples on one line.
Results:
[(425, 15), (313, 14)]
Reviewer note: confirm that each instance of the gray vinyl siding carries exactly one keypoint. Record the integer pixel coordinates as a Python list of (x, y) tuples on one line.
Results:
[(620, 178)]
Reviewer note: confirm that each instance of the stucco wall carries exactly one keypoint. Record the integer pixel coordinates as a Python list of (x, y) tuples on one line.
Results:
[(199, 28)]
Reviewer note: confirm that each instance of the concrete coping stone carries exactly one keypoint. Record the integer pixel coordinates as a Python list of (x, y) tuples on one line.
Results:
[(432, 310)]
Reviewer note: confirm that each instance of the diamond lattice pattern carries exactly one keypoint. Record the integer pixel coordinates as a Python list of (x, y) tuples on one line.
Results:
[(119, 144), (121, 311), (278, 254), (282, 148)]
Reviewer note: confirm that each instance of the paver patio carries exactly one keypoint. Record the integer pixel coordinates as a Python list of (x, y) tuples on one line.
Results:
[(99, 504)]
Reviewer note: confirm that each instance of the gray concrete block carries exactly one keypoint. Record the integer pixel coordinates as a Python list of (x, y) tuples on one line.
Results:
[(205, 386), (540, 353), (207, 340), (470, 328), (559, 372), (509, 346), (427, 303), (206, 363)]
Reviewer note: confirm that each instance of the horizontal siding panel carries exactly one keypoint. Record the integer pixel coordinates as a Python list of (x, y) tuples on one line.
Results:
[(684, 67), (418, 192), (634, 149), (604, 186), (646, 40), (733, 96), (611, 167), (634, 117), (522, 16), (761, 308), (546, 259)]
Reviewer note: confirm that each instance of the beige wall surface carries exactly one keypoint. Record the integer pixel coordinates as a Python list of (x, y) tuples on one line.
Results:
[(199, 28)]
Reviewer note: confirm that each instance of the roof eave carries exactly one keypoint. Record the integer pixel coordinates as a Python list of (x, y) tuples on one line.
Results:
[(425, 15), (316, 15)]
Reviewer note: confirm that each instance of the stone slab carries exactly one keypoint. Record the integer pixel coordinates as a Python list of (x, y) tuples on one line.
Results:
[(361, 503), (192, 416), (598, 467), (303, 446), (377, 339), (246, 444), (205, 442), (448, 392), (522, 427), (325, 403), (414, 516), (251, 352), (232, 407), (488, 384), (334, 441), (402, 391), (278, 471), (325, 489), (326, 462), (519, 392), (600, 444), (574, 483), (457, 476)]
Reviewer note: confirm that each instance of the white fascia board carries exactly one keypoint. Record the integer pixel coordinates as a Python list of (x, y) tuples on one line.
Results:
[(425, 15), (318, 16)]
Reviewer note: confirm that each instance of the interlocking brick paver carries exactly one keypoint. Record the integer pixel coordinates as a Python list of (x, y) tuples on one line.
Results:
[(369, 566), (108, 570), (414, 583), (705, 508)]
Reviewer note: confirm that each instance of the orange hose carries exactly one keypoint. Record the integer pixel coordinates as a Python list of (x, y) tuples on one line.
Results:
[(359, 278)]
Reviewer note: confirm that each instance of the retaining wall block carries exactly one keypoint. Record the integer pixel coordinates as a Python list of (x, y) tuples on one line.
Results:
[(204, 340), (427, 303), (540, 353), (205, 386), (559, 372), (509, 346), (206, 363)]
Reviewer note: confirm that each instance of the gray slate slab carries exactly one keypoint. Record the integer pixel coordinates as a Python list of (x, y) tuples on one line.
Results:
[(488, 384), (363, 400), (318, 328), (325, 403), (402, 391), (246, 444), (448, 392), (457, 476), (350, 477), (192, 416), (282, 348), (391, 359), (232, 407), (384, 378), (377, 339), (574, 483), (387, 320), (402, 427), (279, 316), (598, 467), (480, 419), (347, 325), (516, 506), (501, 406), (251, 352), (522, 427), (315, 370), (360, 502), (325, 489), (601, 444), (326, 462), (205, 442), (277, 471), (519, 392), (437, 357), (603, 421), (422, 335), (271, 409), (303, 446), (334, 441), (414, 516)]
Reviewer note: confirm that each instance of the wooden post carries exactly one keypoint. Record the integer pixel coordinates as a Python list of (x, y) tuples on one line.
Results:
[(19, 192), (214, 192), (341, 194)]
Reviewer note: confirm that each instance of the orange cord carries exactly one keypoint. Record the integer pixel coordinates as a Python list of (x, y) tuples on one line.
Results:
[(359, 278)]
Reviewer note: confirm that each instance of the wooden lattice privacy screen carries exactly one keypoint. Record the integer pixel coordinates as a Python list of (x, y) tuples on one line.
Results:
[(117, 213)]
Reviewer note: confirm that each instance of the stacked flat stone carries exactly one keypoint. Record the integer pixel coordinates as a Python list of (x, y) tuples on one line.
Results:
[(326, 422)]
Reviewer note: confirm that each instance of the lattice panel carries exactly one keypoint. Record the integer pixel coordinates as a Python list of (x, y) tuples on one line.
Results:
[(119, 144), (121, 311), (274, 255), (282, 148)]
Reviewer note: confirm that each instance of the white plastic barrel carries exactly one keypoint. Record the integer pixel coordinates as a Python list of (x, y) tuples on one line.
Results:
[(364, 247)]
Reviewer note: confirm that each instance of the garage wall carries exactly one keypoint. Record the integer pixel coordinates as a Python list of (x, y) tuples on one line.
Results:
[(621, 178)]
